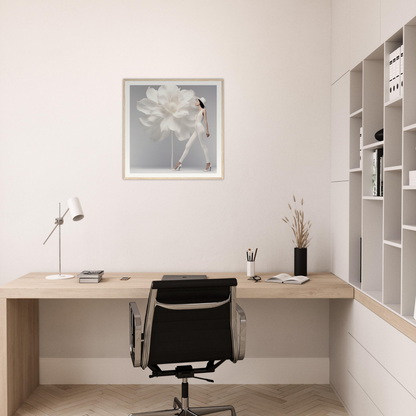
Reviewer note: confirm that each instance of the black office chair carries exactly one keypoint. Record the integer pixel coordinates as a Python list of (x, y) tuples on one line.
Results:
[(186, 322)]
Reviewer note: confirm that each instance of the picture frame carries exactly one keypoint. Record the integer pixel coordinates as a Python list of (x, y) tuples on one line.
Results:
[(170, 123)]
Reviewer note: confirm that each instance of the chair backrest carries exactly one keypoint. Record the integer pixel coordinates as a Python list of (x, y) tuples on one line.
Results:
[(190, 321)]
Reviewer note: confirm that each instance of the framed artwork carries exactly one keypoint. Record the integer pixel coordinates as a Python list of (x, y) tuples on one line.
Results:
[(173, 129)]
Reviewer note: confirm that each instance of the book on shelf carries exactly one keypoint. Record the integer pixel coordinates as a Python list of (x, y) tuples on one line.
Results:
[(377, 174), (381, 170), (374, 173), (361, 147)]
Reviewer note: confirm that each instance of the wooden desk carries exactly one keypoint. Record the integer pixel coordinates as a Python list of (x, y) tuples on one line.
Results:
[(19, 315)]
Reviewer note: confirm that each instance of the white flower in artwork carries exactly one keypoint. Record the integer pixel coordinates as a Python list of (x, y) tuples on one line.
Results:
[(168, 109)]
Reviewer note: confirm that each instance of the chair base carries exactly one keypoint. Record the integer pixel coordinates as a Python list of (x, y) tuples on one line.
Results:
[(179, 410)]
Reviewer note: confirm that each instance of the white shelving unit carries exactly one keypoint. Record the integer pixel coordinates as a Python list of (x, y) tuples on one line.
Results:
[(384, 227)]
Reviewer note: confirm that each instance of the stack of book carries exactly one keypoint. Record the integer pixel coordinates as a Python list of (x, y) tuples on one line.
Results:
[(378, 172), (412, 178), (396, 62), (91, 276)]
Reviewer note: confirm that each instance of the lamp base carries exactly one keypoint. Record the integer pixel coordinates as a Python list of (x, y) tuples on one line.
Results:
[(60, 276)]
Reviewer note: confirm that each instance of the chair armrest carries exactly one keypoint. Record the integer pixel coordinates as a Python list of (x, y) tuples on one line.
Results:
[(135, 335), (241, 331)]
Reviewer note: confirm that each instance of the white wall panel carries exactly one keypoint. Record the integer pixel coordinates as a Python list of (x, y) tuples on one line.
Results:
[(339, 229), (394, 15), (340, 38), (364, 29), (340, 118)]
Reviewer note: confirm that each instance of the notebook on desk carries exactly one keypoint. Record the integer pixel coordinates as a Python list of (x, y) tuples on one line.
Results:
[(184, 276)]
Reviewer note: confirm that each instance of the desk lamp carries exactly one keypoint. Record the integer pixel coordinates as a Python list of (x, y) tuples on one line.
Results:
[(75, 210)]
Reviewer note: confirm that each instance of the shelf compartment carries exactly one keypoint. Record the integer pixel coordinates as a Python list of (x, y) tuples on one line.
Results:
[(393, 243), (409, 71), (392, 205), (355, 216), (395, 307), (375, 294), (409, 155), (393, 131), (373, 104), (368, 173), (409, 273), (389, 47), (355, 125), (392, 274), (409, 209), (356, 86), (372, 246)]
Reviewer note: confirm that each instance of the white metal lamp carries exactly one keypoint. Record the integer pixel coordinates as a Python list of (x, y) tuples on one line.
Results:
[(75, 210)]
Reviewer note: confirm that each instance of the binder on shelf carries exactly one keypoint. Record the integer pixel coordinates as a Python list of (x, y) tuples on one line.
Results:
[(397, 78), (391, 57), (374, 176), (401, 69), (394, 74)]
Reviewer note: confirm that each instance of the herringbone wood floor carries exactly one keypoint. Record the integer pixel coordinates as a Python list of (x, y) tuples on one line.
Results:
[(121, 400)]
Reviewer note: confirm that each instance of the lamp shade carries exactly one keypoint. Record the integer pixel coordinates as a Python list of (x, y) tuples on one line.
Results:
[(75, 209)]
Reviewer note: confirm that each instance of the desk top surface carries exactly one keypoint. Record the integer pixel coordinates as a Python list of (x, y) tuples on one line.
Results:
[(35, 286)]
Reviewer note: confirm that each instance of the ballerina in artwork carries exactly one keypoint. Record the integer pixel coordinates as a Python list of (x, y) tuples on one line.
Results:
[(200, 133)]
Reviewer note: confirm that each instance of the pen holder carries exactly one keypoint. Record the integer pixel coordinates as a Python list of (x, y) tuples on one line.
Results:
[(251, 269)]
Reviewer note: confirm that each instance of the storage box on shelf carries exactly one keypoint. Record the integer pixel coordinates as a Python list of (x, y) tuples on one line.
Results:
[(386, 222)]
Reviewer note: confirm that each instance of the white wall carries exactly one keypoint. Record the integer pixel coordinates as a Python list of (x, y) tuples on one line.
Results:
[(360, 26), (61, 71)]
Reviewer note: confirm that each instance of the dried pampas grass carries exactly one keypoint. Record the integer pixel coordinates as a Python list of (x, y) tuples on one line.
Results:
[(299, 227)]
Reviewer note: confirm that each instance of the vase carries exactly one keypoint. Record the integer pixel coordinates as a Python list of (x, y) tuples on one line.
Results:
[(301, 261)]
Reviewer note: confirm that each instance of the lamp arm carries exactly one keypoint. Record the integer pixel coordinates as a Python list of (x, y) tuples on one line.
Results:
[(58, 221)]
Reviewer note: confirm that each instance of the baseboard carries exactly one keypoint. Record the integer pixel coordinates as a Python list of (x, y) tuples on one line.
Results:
[(248, 371)]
